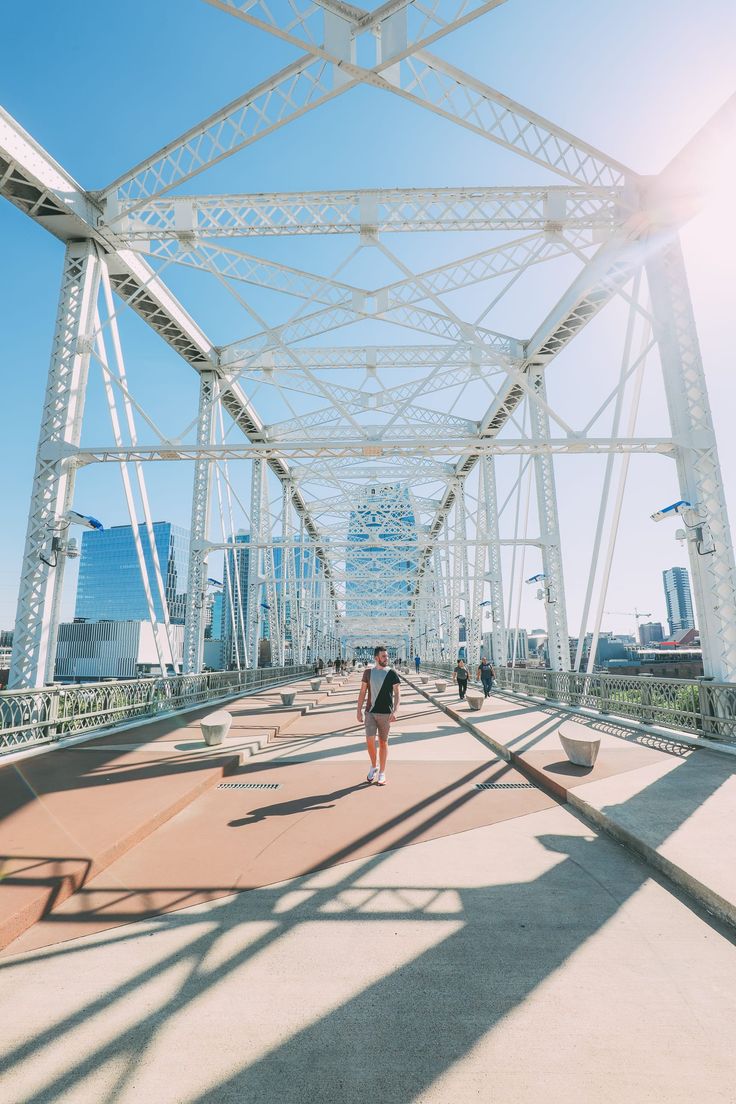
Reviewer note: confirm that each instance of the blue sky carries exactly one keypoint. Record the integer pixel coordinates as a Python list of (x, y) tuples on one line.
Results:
[(102, 87)]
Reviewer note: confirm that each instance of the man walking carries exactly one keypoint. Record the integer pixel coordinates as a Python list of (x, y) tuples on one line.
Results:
[(460, 676), (417, 663), (486, 675), (379, 690)]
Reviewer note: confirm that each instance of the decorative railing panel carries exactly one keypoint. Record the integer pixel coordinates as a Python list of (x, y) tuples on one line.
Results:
[(696, 706), (31, 717)]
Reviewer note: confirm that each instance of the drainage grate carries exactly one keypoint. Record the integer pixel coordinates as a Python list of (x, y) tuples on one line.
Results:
[(249, 785), (504, 786)]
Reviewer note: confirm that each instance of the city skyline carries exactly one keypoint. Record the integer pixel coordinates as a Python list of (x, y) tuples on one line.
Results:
[(622, 628), (618, 624)]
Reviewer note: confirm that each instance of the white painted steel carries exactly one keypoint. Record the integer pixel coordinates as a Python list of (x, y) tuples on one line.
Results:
[(52, 495), (201, 491), (549, 526), (368, 416), (41, 716), (557, 207), (709, 542)]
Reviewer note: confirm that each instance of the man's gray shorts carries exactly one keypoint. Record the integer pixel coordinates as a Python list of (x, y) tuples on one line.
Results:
[(377, 724)]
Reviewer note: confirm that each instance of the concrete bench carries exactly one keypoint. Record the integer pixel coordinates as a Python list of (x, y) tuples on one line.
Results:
[(440, 686), (316, 683), (215, 727), (474, 699), (288, 697), (580, 747)]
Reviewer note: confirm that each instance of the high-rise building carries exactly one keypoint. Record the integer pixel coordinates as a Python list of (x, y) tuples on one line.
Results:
[(679, 600), (234, 629), (381, 563), (651, 632), (520, 642), (110, 587), (230, 616)]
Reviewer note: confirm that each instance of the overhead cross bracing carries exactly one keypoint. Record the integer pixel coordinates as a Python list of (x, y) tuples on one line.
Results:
[(551, 208), (430, 395)]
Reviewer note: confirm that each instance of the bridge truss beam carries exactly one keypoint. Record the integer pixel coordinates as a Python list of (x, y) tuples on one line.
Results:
[(354, 429)]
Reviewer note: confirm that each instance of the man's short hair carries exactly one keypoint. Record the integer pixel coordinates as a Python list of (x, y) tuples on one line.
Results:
[(379, 648)]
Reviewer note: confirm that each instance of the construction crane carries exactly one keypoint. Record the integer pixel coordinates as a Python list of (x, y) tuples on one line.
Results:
[(631, 613)]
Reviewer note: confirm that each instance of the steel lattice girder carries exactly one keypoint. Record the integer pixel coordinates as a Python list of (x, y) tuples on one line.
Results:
[(328, 71), (319, 450), (33, 181), (553, 208), (501, 260), (327, 31)]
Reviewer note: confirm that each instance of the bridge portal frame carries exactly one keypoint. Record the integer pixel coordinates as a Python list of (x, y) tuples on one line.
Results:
[(643, 232)]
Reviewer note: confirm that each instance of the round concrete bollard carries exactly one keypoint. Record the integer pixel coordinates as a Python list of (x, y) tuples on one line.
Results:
[(581, 749), (215, 727), (474, 701), (328, 679), (288, 697), (315, 684), (440, 686), (424, 679)]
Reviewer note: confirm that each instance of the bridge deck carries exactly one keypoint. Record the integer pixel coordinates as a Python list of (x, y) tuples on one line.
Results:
[(426, 941)]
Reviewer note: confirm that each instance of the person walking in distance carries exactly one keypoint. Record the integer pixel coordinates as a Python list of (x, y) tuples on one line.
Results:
[(417, 663), (460, 676), (486, 674), (379, 692)]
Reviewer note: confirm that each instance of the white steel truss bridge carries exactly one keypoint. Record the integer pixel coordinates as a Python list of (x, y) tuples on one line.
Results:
[(395, 488)]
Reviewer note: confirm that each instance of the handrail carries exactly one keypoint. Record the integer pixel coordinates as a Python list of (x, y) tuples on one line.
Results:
[(698, 706), (50, 713)]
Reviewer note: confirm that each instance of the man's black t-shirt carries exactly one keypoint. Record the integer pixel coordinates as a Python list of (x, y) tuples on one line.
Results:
[(380, 682)]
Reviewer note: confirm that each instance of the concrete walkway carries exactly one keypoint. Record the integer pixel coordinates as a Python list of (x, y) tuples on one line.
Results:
[(674, 805), (428, 941)]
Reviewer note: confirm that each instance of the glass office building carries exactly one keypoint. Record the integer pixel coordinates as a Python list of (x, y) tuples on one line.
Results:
[(110, 587), (230, 618), (234, 607), (678, 599)]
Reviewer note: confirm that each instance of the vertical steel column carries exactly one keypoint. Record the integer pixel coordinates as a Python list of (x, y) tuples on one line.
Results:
[(495, 577), (302, 612), (194, 616), (253, 605), (311, 617), (41, 581), (272, 601), (454, 579), (286, 603), (475, 629), (464, 572), (558, 641), (698, 469), (441, 591)]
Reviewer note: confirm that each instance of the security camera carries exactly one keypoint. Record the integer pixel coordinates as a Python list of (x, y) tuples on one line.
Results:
[(85, 520), (670, 511)]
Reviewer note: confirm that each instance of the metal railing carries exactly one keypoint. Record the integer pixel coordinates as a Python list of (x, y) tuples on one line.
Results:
[(48, 714), (696, 706)]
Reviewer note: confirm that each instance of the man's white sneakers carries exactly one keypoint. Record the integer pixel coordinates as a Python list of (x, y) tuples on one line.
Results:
[(381, 779), (372, 774)]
